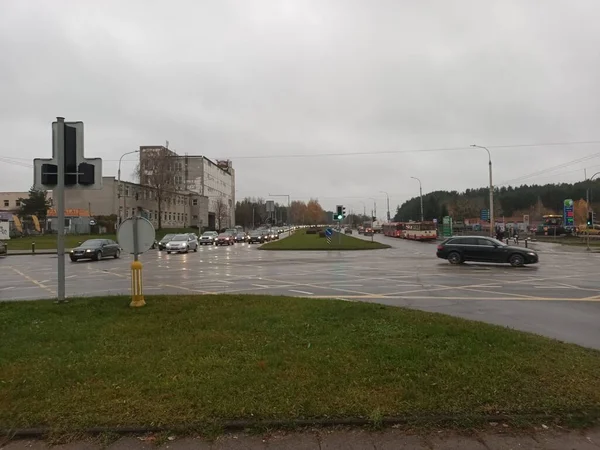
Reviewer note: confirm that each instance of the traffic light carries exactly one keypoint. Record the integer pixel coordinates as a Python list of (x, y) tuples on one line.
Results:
[(339, 214), (80, 172), (343, 212), (590, 220)]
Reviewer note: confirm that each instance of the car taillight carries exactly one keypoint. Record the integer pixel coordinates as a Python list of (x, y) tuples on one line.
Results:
[(440, 247)]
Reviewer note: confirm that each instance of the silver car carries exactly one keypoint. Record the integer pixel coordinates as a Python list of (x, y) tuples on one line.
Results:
[(208, 238), (182, 243)]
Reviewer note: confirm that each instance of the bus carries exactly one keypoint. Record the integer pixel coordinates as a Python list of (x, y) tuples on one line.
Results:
[(417, 231), (420, 231)]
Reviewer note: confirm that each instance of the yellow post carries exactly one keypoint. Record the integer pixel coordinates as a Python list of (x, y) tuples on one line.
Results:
[(137, 296)]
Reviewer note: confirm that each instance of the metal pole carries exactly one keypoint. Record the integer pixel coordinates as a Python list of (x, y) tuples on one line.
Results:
[(492, 220), (421, 197), (136, 247), (121, 192), (388, 204), (59, 192)]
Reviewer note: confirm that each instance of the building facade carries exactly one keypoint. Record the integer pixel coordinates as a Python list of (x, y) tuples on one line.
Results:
[(198, 174), (180, 208)]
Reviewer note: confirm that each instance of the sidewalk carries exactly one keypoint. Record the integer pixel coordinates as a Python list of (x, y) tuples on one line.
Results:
[(389, 439), (30, 253)]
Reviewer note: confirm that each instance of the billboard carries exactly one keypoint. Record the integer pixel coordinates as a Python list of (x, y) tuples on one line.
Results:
[(568, 213), (4, 231)]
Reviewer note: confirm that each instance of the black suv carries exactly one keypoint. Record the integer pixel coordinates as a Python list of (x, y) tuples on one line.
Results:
[(484, 249)]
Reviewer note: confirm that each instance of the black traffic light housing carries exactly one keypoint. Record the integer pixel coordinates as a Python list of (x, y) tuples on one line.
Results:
[(590, 219), (343, 212), (339, 213)]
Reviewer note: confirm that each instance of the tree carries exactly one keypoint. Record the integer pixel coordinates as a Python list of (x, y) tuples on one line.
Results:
[(37, 204), (315, 213), (221, 212), (157, 169)]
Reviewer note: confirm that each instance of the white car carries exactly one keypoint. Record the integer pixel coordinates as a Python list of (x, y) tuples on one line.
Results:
[(208, 238), (182, 243)]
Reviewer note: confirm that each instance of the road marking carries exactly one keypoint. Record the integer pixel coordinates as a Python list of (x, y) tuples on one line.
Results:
[(552, 287), (301, 292), (263, 286), (37, 283), (7, 288)]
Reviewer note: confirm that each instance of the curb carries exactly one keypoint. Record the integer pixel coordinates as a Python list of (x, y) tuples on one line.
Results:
[(29, 253), (238, 425)]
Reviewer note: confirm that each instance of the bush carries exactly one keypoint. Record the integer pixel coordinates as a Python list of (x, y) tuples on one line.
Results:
[(321, 234)]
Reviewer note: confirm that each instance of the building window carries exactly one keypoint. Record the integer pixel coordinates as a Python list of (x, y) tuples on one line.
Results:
[(6, 203), (194, 217), (17, 202), (170, 217), (185, 218), (150, 215), (126, 191), (195, 202), (132, 212), (178, 217)]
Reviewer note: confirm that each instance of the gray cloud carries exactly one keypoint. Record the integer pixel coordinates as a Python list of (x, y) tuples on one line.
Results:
[(238, 78)]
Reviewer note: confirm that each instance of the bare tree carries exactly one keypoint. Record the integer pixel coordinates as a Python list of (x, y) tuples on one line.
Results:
[(221, 212), (157, 168)]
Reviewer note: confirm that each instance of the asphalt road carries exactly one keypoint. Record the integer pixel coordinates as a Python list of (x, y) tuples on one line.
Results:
[(559, 297)]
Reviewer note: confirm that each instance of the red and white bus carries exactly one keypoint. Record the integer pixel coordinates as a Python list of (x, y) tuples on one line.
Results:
[(417, 231)]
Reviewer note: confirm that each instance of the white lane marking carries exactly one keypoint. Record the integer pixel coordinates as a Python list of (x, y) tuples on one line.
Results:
[(264, 286), (301, 292), (345, 285), (7, 288), (552, 287)]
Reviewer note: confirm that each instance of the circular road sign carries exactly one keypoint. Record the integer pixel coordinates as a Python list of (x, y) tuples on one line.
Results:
[(145, 231), (92, 222)]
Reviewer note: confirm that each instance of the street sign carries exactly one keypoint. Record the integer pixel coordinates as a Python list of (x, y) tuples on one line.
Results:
[(92, 222), (568, 213), (4, 231), (145, 235), (270, 206), (485, 215), (447, 226), (435, 220), (328, 232)]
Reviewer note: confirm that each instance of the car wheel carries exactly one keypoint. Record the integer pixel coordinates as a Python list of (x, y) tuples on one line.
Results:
[(187, 249), (516, 260), (454, 258), (73, 259), (196, 248), (118, 254), (168, 252), (97, 256)]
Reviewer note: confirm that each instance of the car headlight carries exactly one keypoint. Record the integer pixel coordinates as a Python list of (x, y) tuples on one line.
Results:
[(71, 251), (88, 250), (531, 253)]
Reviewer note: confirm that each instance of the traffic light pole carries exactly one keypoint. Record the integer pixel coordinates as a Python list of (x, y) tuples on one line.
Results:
[(59, 196)]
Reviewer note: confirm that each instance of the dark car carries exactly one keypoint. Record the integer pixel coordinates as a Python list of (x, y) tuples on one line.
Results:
[(257, 237), (225, 239), (162, 244), (96, 249), (240, 236), (348, 230), (484, 249)]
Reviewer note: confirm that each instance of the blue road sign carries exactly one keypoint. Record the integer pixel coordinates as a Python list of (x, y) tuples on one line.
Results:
[(328, 232), (485, 214)]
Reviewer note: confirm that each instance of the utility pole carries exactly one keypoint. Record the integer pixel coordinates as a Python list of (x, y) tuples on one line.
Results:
[(59, 193), (289, 206), (492, 220), (120, 191), (388, 204), (421, 197)]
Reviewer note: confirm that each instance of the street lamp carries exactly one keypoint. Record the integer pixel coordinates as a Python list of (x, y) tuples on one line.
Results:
[(492, 223), (421, 197), (121, 187), (388, 204), (364, 208)]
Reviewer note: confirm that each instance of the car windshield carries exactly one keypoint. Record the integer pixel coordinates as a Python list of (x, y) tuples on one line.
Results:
[(168, 237), (92, 243), (208, 233), (255, 233), (181, 237), (224, 235)]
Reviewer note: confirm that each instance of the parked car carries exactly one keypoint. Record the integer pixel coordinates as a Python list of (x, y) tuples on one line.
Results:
[(225, 239), (3, 249), (95, 249), (162, 244), (208, 237), (484, 249), (348, 230), (182, 243), (257, 237)]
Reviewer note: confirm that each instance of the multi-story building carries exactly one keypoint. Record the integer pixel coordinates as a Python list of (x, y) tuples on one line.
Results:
[(202, 176), (180, 208), (9, 201)]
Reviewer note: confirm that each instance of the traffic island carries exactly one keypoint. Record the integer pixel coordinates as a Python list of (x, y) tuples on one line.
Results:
[(316, 240), (192, 362)]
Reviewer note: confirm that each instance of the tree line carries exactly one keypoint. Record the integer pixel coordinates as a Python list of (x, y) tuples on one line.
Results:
[(251, 212), (535, 200)]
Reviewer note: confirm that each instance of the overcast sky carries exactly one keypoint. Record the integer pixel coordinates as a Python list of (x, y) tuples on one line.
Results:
[(250, 78)]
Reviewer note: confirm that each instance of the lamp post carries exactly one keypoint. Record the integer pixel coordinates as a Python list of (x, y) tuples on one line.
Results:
[(120, 188), (388, 204), (421, 197), (374, 207), (492, 222)]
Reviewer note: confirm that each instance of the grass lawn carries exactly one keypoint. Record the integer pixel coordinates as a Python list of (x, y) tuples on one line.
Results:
[(183, 360), (302, 241), (48, 241), (577, 241)]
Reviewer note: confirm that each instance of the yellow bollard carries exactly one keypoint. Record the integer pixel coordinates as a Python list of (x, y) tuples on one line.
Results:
[(137, 296)]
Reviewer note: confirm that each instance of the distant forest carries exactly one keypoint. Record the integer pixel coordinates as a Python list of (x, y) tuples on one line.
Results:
[(534, 200)]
